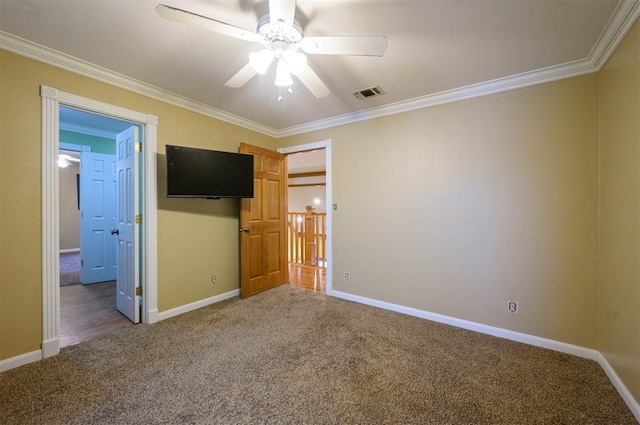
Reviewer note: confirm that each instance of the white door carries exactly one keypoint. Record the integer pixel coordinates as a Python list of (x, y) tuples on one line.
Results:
[(98, 217), (127, 300)]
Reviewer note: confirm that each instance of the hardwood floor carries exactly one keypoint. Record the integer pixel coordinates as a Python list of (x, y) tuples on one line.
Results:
[(308, 277), (89, 311)]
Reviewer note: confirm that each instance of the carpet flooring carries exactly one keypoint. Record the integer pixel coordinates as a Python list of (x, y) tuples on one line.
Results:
[(69, 268), (291, 356)]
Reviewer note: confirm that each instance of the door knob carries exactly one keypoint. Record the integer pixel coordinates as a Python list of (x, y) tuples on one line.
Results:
[(244, 229), (115, 232)]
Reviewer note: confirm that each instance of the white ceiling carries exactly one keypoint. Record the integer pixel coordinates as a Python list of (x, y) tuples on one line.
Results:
[(434, 47), (89, 123), (307, 162)]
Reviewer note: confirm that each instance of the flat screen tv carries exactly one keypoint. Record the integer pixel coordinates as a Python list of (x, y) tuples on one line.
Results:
[(203, 173)]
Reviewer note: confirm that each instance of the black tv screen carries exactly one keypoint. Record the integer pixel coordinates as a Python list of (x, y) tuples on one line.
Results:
[(203, 173)]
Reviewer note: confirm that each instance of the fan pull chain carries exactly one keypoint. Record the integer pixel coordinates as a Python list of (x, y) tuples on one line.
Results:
[(289, 90)]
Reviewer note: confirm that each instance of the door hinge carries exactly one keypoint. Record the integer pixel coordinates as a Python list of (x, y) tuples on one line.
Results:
[(138, 147), (138, 218), (139, 291)]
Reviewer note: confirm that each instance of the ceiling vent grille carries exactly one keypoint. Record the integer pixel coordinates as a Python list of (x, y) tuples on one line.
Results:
[(370, 92)]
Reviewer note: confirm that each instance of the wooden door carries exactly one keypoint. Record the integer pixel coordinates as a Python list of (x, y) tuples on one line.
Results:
[(263, 224)]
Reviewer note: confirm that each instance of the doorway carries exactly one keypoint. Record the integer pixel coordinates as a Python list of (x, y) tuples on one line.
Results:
[(309, 242), (88, 198), (145, 270)]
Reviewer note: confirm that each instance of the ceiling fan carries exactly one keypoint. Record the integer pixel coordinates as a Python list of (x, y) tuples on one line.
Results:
[(283, 42), (64, 160)]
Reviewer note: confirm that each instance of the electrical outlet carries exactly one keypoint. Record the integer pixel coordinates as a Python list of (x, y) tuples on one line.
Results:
[(512, 306), (213, 279), (346, 276)]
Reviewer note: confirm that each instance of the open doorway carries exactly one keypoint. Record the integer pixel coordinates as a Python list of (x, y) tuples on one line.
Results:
[(145, 204), (87, 205), (309, 216)]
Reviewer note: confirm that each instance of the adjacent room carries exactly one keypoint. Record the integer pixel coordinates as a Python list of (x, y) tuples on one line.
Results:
[(434, 214)]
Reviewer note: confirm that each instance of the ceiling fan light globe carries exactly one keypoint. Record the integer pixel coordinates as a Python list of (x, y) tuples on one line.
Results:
[(261, 60), (296, 62), (283, 76), (63, 163)]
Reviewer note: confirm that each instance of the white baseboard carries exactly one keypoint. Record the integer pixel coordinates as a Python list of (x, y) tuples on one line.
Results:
[(507, 334), (473, 326), (196, 305), (20, 360), (465, 324), (66, 251), (50, 347), (152, 317), (622, 389)]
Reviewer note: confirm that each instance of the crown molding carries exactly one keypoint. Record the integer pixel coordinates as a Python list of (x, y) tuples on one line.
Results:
[(619, 24), (89, 131), (49, 56), (526, 79)]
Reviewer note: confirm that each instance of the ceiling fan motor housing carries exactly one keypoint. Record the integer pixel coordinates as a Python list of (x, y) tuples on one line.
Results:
[(279, 32)]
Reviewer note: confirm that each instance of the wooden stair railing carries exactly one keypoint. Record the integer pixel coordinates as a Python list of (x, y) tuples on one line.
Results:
[(307, 237)]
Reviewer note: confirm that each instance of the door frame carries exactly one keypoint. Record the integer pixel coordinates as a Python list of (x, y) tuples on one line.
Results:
[(52, 99), (326, 145)]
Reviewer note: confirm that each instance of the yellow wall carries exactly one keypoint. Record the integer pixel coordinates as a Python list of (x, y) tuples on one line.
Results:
[(458, 208), (69, 212), (454, 209), (619, 271), (196, 238)]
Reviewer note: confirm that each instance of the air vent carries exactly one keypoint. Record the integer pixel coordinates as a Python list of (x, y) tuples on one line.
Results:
[(370, 92)]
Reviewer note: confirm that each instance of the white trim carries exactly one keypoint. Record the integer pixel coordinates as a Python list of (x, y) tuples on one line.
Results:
[(499, 85), (621, 21), (324, 144), (622, 389), (623, 18), (51, 347), (562, 347), (628, 398), (50, 225), (618, 26), (67, 251), (198, 304), (20, 360), (150, 221), (51, 101), (49, 56), (89, 131), (73, 147), (305, 147)]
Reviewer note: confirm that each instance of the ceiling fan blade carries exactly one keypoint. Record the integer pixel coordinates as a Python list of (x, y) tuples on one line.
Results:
[(311, 81), (356, 45), (69, 157), (241, 77), (189, 18), (283, 10)]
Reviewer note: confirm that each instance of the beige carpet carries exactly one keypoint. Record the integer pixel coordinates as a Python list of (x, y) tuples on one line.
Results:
[(69, 268), (291, 356)]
